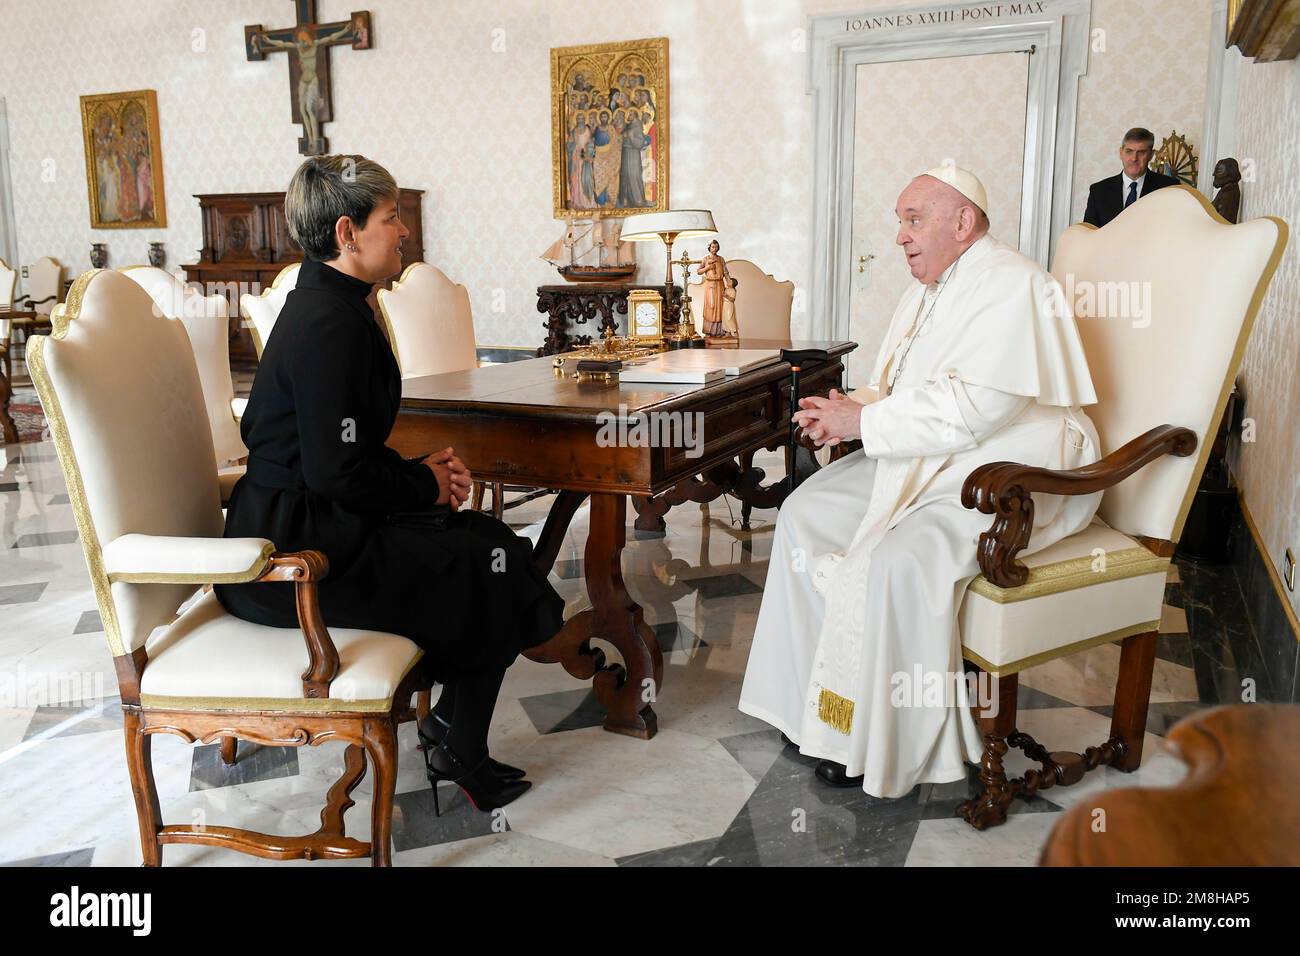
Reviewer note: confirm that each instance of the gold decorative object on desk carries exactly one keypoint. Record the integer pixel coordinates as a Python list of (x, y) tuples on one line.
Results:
[(613, 349)]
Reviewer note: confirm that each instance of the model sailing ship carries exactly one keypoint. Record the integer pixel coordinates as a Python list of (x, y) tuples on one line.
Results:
[(591, 251)]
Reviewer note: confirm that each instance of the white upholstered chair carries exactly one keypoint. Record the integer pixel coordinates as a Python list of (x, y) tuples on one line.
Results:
[(431, 328), (1163, 367), (763, 303), (41, 290), (261, 311), (206, 320), (8, 285), (429, 322), (125, 406)]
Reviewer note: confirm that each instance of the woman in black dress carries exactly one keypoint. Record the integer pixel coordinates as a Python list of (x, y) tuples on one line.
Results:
[(403, 558)]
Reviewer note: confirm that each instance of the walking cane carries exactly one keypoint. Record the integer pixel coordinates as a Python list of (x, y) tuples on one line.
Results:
[(797, 358)]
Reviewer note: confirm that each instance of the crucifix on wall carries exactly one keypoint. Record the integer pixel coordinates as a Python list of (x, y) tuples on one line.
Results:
[(307, 44)]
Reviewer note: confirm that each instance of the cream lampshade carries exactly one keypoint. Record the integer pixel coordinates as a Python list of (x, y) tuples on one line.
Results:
[(668, 227)]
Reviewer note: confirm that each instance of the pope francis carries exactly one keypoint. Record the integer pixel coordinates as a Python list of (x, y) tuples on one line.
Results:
[(872, 555)]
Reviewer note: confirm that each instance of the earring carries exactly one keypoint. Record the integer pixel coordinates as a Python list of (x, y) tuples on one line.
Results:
[(352, 247)]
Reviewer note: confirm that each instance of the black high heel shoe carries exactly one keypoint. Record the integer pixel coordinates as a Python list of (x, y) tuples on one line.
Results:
[(430, 743), (485, 790)]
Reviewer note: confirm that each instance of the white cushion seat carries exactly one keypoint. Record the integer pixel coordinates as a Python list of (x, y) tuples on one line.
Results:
[(210, 660), (1072, 600)]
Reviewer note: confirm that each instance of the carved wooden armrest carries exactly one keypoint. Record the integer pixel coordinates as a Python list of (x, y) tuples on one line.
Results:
[(1003, 488), (305, 569)]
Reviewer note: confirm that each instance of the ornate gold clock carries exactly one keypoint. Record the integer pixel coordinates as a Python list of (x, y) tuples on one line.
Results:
[(645, 315)]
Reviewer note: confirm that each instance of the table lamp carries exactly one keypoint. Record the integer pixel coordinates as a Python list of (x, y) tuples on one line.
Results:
[(668, 227)]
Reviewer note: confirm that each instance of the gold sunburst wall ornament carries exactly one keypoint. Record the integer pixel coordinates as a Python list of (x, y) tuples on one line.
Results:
[(1176, 158)]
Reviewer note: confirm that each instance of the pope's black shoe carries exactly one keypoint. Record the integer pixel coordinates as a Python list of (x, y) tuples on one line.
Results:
[(832, 774)]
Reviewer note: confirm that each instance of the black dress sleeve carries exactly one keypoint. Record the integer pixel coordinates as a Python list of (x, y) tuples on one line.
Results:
[(339, 428)]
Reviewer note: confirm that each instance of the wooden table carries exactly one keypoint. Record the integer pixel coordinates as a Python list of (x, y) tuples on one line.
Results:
[(521, 423), (12, 316)]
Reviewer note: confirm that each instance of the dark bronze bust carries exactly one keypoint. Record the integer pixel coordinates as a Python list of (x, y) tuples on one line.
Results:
[(1227, 201)]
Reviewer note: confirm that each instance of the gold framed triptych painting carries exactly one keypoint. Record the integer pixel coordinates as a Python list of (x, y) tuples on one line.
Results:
[(124, 173), (609, 128)]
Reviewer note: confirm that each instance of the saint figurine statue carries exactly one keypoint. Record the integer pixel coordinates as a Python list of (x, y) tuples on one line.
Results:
[(713, 268)]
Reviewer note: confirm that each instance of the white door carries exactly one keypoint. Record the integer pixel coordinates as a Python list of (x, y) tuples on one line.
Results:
[(911, 115)]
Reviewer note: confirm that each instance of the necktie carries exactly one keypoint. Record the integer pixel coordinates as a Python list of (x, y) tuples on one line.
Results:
[(1132, 195)]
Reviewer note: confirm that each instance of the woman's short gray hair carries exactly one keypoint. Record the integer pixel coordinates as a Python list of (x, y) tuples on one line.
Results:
[(327, 187)]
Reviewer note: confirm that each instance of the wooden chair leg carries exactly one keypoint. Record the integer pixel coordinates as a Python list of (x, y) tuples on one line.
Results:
[(476, 502), (229, 746), (498, 499), (989, 809), (139, 765), (423, 704), (381, 747), (1128, 721)]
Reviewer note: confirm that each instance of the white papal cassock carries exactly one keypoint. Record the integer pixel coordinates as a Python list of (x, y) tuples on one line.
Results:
[(872, 555)]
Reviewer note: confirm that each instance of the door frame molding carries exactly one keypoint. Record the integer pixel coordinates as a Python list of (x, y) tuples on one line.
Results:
[(1058, 31)]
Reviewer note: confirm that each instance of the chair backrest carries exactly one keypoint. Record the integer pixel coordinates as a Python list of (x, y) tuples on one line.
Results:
[(261, 311), (1165, 297), (207, 321), (8, 280), (429, 322), (763, 303), (44, 278), (121, 393)]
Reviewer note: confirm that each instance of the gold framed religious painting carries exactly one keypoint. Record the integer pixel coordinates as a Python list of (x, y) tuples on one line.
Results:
[(124, 174), (609, 128)]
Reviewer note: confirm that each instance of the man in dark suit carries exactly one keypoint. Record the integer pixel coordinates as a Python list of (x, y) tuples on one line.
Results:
[(1111, 196)]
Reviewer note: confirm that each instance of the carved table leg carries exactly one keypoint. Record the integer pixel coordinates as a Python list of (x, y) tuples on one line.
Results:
[(229, 747), (626, 691), (557, 524)]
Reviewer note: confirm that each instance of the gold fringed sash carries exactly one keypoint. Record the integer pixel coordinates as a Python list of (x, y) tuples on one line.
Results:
[(835, 711)]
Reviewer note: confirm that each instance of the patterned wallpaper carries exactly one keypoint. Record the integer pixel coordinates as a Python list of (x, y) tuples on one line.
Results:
[(454, 100), (887, 155), (1268, 469), (1146, 67)]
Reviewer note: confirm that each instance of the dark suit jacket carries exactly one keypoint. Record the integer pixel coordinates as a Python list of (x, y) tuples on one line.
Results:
[(1106, 197)]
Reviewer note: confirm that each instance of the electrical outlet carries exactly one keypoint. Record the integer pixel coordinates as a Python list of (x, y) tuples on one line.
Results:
[(24, 272), (1288, 569)]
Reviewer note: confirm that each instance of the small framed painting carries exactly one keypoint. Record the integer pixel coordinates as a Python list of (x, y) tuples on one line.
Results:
[(124, 173), (609, 128)]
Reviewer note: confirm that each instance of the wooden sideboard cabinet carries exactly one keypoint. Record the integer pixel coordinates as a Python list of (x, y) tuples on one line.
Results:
[(246, 243)]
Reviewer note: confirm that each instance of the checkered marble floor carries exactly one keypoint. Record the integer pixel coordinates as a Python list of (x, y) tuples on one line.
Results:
[(715, 787)]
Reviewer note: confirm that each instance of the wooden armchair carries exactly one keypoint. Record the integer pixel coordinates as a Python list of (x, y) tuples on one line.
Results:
[(1163, 369), (40, 295), (261, 311), (122, 394)]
